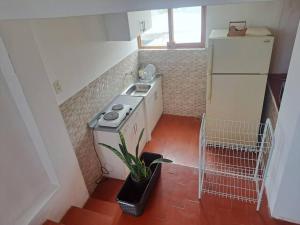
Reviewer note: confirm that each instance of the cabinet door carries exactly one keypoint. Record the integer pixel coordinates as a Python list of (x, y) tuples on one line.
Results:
[(139, 22), (110, 161), (117, 27), (151, 111), (154, 104), (140, 124), (132, 129), (128, 133), (158, 101)]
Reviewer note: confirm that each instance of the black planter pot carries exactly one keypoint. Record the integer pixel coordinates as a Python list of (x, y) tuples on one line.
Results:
[(132, 197), (140, 184)]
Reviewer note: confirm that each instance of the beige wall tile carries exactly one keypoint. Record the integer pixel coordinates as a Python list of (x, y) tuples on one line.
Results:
[(184, 79), (81, 107)]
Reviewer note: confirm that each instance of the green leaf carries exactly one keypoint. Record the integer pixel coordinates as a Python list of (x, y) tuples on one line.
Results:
[(120, 156), (138, 144), (123, 147), (122, 139), (136, 166), (144, 169), (128, 159), (160, 160), (135, 160), (115, 151), (125, 153)]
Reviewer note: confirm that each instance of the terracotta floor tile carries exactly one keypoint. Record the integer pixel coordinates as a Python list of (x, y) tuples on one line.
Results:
[(174, 200), (108, 189), (176, 137)]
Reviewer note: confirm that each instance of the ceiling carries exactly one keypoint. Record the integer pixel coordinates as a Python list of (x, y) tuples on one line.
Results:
[(26, 9)]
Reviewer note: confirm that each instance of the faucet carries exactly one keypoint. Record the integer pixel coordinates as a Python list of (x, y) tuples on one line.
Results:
[(132, 74)]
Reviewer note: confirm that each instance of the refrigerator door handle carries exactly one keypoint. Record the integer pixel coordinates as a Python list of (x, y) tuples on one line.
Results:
[(209, 73)]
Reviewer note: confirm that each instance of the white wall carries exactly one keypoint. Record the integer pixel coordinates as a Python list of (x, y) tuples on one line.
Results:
[(284, 181), (20, 166), (23, 51), (285, 36), (75, 51), (281, 16), (256, 14)]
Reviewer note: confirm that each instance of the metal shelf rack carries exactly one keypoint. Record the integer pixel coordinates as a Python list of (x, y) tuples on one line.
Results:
[(234, 158)]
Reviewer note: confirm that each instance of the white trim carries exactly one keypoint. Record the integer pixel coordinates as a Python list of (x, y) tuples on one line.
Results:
[(18, 96)]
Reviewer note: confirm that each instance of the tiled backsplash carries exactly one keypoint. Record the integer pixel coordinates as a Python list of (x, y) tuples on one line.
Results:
[(81, 107), (184, 85), (184, 79)]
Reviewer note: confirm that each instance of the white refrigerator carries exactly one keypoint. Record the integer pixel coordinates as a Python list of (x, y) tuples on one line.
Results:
[(237, 75)]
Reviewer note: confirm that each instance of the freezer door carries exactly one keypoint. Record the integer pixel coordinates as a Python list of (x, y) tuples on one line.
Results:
[(237, 97), (249, 55)]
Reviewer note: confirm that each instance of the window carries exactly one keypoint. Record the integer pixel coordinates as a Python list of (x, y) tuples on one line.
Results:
[(158, 35), (175, 28)]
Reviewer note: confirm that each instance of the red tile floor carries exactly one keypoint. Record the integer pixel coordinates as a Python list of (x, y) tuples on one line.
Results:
[(174, 200), (176, 138)]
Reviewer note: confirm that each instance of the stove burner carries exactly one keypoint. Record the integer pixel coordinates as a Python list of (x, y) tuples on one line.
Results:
[(117, 107), (111, 116)]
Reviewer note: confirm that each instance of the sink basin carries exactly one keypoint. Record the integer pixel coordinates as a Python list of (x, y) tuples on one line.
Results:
[(138, 89)]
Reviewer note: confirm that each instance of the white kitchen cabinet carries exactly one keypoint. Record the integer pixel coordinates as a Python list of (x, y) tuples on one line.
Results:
[(131, 131), (127, 26), (158, 101), (154, 106)]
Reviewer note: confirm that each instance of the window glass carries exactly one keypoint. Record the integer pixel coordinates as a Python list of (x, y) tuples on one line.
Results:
[(158, 35), (187, 24)]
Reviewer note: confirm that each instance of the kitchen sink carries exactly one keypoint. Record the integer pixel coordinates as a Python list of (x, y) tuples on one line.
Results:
[(138, 89)]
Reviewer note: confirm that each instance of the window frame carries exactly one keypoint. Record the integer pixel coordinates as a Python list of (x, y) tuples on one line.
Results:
[(171, 43)]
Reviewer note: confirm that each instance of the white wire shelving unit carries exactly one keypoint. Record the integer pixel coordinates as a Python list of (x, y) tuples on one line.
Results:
[(234, 158)]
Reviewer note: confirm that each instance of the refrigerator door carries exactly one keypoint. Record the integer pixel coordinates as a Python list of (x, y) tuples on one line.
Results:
[(248, 55), (237, 97)]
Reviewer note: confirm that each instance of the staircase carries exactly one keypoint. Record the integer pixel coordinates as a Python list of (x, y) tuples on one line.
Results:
[(94, 212)]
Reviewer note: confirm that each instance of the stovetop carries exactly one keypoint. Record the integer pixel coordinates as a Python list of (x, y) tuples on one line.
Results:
[(114, 115), (132, 101)]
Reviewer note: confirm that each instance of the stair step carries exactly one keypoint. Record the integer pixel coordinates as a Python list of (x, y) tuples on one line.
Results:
[(103, 207), (50, 222), (78, 216)]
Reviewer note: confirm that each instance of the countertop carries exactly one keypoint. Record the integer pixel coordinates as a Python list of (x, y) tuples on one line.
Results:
[(133, 101)]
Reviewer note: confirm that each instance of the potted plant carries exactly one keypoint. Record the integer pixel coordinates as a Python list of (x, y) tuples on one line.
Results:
[(144, 172)]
